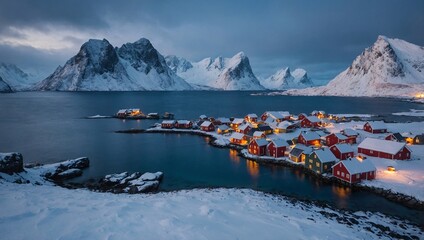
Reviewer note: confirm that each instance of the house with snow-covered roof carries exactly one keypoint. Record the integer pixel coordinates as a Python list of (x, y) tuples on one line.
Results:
[(258, 147), (284, 127), (342, 151), (276, 148), (309, 138), (351, 134), (251, 117), (221, 129), (397, 137), (236, 123), (299, 152), (354, 170), (259, 134), (310, 122), (238, 138), (375, 127), (335, 138), (384, 149), (207, 126), (244, 128), (320, 161), (184, 124), (168, 124)]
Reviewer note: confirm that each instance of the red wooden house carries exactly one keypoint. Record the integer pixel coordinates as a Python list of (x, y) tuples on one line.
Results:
[(168, 124), (238, 138), (309, 138), (207, 126), (335, 138), (301, 116), (397, 137), (310, 122), (236, 123), (252, 117), (277, 116), (342, 151), (384, 149), (375, 127), (245, 128), (259, 134), (258, 147), (350, 134), (184, 124), (276, 148), (354, 170)]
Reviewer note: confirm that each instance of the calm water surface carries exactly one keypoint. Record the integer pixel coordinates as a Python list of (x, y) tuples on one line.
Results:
[(51, 126)]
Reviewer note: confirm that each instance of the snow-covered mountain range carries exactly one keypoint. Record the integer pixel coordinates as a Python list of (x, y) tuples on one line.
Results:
[(220, 73), (284, 79), (99, 66), (16, 78), (390, 67)]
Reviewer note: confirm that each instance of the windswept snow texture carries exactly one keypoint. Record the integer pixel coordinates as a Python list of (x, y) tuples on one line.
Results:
[(99, 66), (48, 212), (15, 78), (220, 73), (284, 79), (390, 67)]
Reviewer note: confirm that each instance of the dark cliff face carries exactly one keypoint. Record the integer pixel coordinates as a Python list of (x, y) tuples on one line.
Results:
[(97, 55), (4, 87), (242, 69), (143, 56)]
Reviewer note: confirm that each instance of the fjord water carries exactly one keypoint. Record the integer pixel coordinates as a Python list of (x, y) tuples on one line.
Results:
[(49, 127)]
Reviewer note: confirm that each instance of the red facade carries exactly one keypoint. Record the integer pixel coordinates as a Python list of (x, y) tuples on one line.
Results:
[(351, 139), (305, 123), (244, 131), (403, 154), (341, 172), (332, 139), (255, 149), (184, 125), (274, 151), (339, 155), (301, 116), (209, 128), (302, 140), (368, 128), (167, 125)]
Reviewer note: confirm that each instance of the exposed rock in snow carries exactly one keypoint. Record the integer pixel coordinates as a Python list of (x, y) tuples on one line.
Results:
[(390, 67), (11, 163), (129, 183), (99, 66), (284, 79), (4, 87), (67, 169), (15, 78), (220, 73)]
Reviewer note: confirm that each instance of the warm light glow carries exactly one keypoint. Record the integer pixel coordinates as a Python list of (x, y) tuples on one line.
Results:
[(391, 169), (419, 95), (234, 156), (252, 168)]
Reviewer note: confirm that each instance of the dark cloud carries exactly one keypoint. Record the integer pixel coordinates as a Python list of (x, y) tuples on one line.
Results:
[(321, 36)]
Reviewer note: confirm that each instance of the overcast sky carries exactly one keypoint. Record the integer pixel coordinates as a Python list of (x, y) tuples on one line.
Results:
[(321, 36)]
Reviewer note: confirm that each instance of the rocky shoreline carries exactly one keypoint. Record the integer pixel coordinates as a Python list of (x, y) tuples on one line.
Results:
[(405, 200)]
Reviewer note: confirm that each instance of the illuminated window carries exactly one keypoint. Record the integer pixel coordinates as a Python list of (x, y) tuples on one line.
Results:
[(318, 164), (338, 172)]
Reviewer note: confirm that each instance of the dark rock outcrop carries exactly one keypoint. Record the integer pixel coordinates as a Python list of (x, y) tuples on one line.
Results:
[(11, 163)]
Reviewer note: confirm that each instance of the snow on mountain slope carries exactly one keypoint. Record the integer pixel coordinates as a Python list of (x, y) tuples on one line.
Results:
[(99, 66), (220, 73), (17, 79), (390, 67), (4, 87), (284, 79)]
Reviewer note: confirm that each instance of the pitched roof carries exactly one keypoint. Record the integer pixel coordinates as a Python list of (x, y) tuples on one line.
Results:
[(339, 136), (296, 152), (344, 147), (325, 155), (258, 133), (302, 148), (308, 136), (238, 136), (168, 122), (355, 166), (284, 124), (350, 132), (252, 115), (381, 145), (377, 125), (243, 127), (183, 122), (223, 127), (206, 124), (237, 121), (261, 142), (277, 114), (313, 119), (203, 116), (264, 128), (223, 120), (279, 143)]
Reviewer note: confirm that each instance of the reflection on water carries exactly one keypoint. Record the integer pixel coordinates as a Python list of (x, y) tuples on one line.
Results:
[(252, 168), (299, 174), (234, 157), (343, 194)]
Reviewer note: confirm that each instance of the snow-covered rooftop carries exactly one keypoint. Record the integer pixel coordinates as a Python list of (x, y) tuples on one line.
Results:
[(206, 124), (325, 155), (168, 122), (377, 125), (308, 136), (237, 121), (261, 142), (258, 134), (238, 136), (355, 166), (183, 122), (344, 147), (350, 132), (279, 143), (313, 119), (386, 146)]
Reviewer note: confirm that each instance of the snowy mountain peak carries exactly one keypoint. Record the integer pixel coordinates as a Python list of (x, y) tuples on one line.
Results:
[(390, 67), (177, 64), (285, 79), (98, 66), (16, 78)]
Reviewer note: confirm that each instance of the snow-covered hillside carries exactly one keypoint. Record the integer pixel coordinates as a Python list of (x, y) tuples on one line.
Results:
[(284, 79), (390, 67), (17, 79), (220, 73), (99, 66)]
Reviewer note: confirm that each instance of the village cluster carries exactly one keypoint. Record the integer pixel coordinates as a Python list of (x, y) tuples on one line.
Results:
[(315, 147)]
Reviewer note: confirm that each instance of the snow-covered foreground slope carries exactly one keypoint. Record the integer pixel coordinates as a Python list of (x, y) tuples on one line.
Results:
[(284, 79), (390, 67), (99, 66), (17, 79), (220, 73), (48, 212)]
